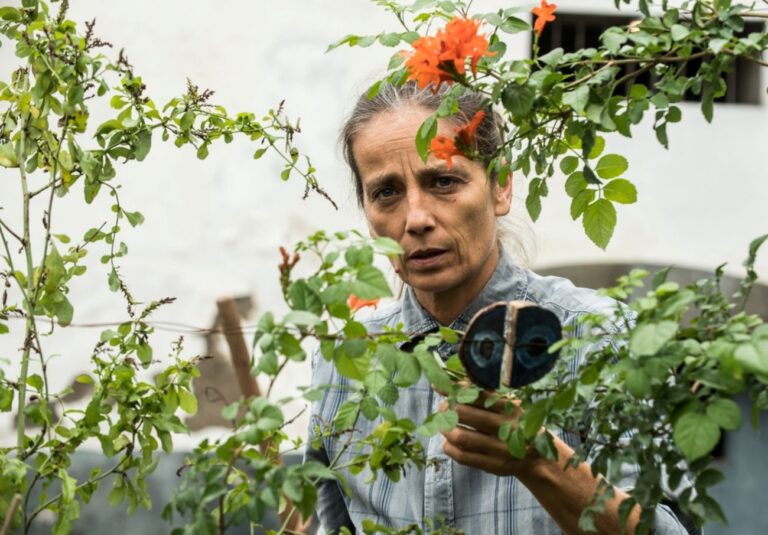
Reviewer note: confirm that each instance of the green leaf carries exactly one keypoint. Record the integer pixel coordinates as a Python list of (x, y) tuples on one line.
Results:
[(518, 99), (8, 155), (599, 221), (648, 338), (302, 317), (64, 312), (187, 401), (134, 218), (387, 246), (581, 201), (695, 434), (638, 383), (552, 57), (533, 419), (679, 32), (370, 283), (577, 99), (142, 144), (752, 359), (533, 202), (569, 164), (302, 297), (621, 191), (427, 131), (575, 184), (10, 13), (724, 412), (389, 39), (716, 45), (613, 38), (187, 120), (354, 368), (611, 166)]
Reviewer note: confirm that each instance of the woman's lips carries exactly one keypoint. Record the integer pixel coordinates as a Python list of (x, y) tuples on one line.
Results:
[(427, 259)]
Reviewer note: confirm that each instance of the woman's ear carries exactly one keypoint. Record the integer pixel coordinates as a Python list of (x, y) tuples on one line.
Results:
[(502, 196)]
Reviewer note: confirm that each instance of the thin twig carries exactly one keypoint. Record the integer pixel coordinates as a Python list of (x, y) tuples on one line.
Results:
[(11, 513)]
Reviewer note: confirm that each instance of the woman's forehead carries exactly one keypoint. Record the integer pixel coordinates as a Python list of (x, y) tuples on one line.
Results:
[(391, 135)]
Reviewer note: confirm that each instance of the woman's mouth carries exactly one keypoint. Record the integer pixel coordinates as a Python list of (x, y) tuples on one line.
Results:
[(426, 258)]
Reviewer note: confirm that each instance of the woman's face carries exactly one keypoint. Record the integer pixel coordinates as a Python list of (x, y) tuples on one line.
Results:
[(445, 220)]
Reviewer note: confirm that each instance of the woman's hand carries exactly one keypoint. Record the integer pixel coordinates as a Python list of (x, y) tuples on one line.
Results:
[(475, 441)]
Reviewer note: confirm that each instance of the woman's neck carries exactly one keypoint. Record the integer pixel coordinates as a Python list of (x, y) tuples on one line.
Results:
[(446, 306)]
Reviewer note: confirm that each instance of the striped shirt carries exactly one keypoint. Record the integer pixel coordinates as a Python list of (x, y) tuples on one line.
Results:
[(447, 493)]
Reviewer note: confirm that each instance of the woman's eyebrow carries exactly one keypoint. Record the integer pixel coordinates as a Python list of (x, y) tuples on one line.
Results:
[(381, 180), (441, 170)]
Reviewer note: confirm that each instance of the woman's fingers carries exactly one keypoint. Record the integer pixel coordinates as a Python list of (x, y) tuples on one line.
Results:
[(471, 441)]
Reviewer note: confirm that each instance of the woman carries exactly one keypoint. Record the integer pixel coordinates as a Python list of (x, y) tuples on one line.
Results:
[(444, 216)]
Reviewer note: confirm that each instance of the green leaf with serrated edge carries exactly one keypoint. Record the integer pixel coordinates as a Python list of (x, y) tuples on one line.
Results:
[(647, 339), (581, 201), (569, 164), (346, 415), (353, 368), (533, 204), (621, 191), (695, 434), (724, 412), (424, 136), (611, 166), (599, 222), (575, 184), (370, 284)]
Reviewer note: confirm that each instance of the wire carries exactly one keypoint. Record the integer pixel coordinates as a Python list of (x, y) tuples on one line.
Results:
[(167, 326)]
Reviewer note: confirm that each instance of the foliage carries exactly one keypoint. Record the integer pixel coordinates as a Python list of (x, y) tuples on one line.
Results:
[(557, 107)]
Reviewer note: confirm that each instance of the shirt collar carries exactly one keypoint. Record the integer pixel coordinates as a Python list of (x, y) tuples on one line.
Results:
[(508, 283)]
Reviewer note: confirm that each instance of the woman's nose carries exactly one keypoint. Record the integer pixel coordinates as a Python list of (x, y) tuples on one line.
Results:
[(419, 217)]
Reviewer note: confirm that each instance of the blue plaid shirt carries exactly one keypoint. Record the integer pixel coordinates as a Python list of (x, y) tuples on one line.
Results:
[(449, 493)]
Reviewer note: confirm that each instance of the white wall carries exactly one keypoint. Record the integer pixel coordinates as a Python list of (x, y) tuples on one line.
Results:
[(213, 227)]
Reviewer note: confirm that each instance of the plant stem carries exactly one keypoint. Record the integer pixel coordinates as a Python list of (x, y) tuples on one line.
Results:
[(28, 301)]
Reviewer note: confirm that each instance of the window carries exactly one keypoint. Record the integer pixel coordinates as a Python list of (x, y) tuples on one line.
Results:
[(576, 31)]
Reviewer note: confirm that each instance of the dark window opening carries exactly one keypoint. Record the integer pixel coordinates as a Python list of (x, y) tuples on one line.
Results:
[(573, 32)]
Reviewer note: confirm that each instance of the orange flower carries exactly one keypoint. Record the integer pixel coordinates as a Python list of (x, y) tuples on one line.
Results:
[(466, 134), (437, 59), (355, 303), (444, 148), (544, 14)]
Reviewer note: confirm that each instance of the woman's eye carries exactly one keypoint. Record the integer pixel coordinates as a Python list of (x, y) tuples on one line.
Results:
[(384, 193), (445, 182)]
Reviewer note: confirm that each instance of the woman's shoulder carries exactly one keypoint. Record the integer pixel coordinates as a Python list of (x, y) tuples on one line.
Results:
[(565, 298)]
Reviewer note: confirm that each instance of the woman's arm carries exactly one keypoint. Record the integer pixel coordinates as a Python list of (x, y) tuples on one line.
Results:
[(562, 492)]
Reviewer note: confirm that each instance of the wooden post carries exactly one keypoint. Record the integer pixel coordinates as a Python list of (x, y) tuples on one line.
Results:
[(241, 361)]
